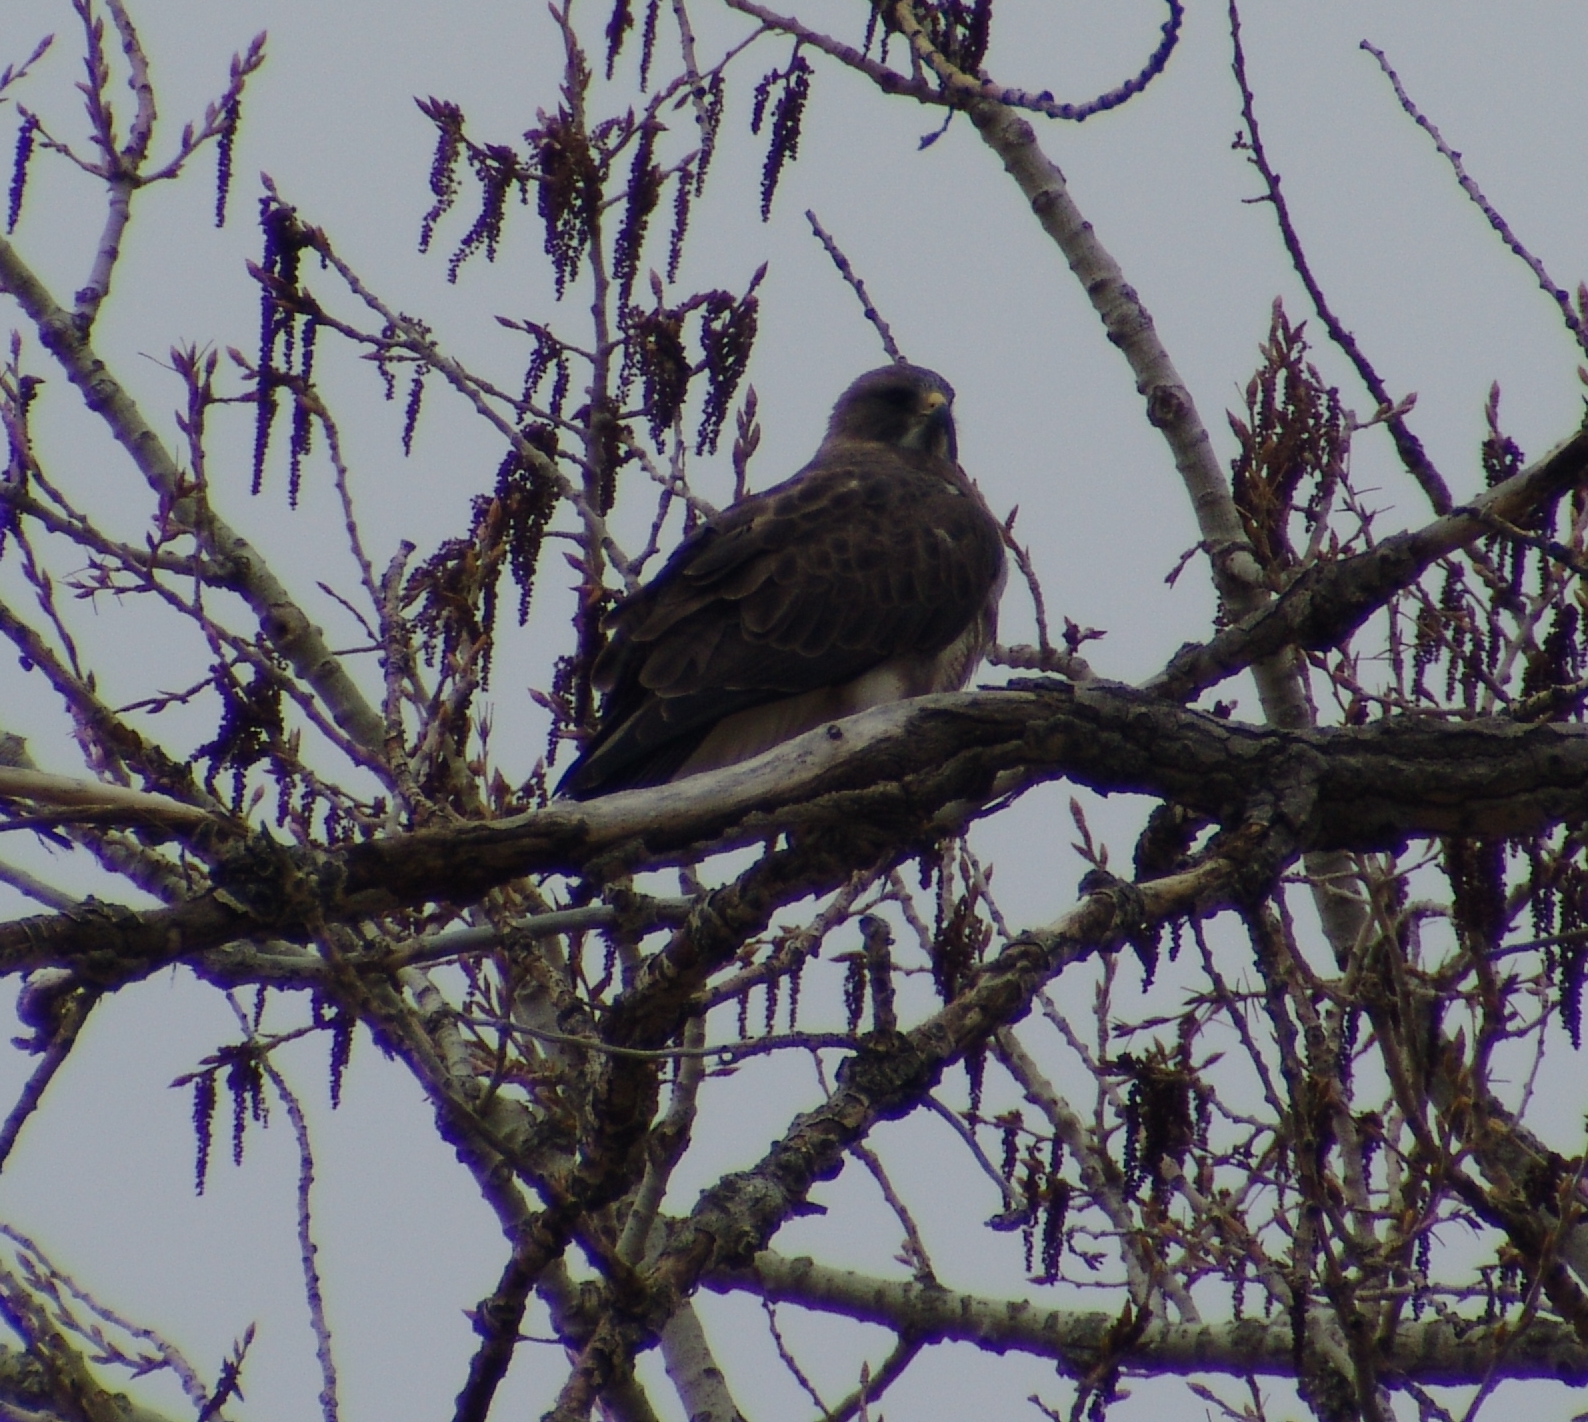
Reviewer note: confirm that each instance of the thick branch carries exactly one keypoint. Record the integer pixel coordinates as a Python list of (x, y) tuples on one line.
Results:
[(1432, 1352), (87, 798), (1328, 601), (901, 774), (886, 1079)]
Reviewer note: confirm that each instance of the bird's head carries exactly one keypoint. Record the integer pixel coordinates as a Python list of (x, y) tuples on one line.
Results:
[(901, 405)]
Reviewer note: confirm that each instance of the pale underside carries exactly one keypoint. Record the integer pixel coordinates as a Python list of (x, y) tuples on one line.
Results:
[(748, 733)]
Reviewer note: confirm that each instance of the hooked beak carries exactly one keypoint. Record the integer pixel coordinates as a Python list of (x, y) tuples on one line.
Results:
[(937, 427)]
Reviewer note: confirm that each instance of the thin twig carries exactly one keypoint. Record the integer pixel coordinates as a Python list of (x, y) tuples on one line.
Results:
[(1407, 445), (1022, 557), (1560, 296), (307, 1249), (1013, 1204), (867, 306), (914, 1251), (770, 1309), (63, 1038), (289, 630), (169, 1354), (874, 1384)]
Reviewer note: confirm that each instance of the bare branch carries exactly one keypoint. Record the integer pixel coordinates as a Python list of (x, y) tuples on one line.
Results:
[(1559, 295), (1407, 445), (1435, 1353), (285, 625), (869, 311)]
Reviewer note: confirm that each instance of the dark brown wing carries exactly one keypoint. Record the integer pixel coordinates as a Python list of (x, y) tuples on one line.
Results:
[(869, 553)]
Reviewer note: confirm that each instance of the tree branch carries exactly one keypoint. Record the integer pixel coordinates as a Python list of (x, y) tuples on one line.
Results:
[(1435, 1352), (284, 623), (1328, 600), (897, 775)]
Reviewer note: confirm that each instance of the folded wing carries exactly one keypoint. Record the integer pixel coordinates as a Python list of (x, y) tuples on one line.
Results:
[(872, 574)]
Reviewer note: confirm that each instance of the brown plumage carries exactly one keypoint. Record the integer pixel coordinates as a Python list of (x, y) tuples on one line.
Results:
[(872, 575)]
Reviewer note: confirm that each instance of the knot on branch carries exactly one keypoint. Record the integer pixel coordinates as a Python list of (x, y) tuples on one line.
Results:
[(1263, 845), (1128, 904), (984, 113), (1017, 133), (1167, 405), (280, 886), (735, 1219), (285, 624), (636, 912), (105, 926), (890, 1072), (45, 1005)]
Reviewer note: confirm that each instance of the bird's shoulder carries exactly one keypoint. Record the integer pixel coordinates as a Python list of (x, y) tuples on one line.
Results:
[(857, 507), (849, 486)]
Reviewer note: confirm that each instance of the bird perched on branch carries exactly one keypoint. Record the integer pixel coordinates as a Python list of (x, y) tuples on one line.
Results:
[(870, 576)]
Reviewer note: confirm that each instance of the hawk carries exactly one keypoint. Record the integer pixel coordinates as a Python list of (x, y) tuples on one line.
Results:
[(872, 575)]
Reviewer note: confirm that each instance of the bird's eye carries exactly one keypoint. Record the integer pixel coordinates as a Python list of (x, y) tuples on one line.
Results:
[(899, 397)]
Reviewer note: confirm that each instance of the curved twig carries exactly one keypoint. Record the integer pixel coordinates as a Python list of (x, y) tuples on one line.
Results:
[(1559, 295), (1407, 445)]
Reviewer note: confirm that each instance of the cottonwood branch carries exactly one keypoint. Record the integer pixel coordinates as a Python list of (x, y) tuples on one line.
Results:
[(885, 1079), (902, 775), (1515, 1161), (1328, 600), (1557, 294), (1435, 1352), (956, 93), (284, 623), (81, 801), (1407, 445), (1171, 410)]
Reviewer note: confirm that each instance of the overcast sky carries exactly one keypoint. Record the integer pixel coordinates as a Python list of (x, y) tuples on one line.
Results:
[(1048, 419)]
